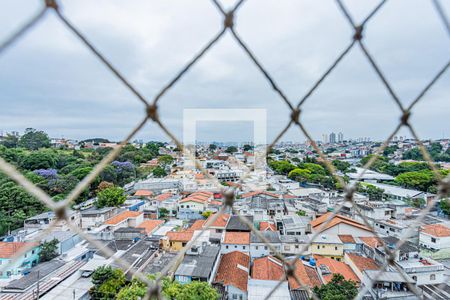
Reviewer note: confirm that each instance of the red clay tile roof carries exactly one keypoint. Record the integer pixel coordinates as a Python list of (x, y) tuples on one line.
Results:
[(221, 221), (197, 225), (267, 226), (163, 197), (200, 197), (438, 230), (306, 274), (317, 223), (150, 225), (267, 268), (122, 216), (240, 238), (363, 263), (180, 236), (8, 249), (347, 238), (199, 176), (230, 271), (371, 241), (254, 193), (144, 193), (336, 267)]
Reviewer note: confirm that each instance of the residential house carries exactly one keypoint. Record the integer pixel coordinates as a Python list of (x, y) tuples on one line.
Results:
[(339, 225), (259, 249), (94, 217), (293, 225), (294, 245), (217, 227), (43, 220), (150, 226), (143, 194), (267, 226), (236, 224), (391, 227), (266, 274), (193, 205), (176, 240), (233, 273), (199, 264), (435, 236), (350, 244), (387, 285), (126, 218), (235, 241), (328, 245), (307, 273), (327, 267), (67, 240), (359, 264), (21, 264)]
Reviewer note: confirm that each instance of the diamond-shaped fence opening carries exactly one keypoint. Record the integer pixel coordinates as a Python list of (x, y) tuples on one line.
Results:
[(150, 114)]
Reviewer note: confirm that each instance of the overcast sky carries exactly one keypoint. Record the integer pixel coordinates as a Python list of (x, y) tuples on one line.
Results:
[(50, 81)]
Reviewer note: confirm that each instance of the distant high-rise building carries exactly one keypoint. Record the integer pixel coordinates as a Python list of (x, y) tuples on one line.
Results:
[(340, 137), (332, 138), (325, 138)]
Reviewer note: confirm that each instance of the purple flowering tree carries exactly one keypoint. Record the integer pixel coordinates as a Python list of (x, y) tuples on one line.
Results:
[(47, 173)]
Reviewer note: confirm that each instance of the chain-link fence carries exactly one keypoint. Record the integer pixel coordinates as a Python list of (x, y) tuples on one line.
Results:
[(150, 113)]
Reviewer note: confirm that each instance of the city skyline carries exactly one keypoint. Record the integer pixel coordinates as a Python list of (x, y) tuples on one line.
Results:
[(53, 81)]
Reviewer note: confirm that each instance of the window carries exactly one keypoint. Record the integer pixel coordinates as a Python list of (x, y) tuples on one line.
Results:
[(318, 246), (382, 226), (335, 248), (235, 247), (235, 296), (323, 247), (392, 229), (414, 278), (432, 277), (226, 247), (33, 251), (296, 246), (256, 247), (243, 247), (182, 206), (433, 240), (265, 247)]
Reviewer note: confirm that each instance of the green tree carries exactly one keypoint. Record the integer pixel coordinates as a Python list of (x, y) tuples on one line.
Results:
[(49, 250), (389, 150), (342, 166), (171, 290), (337, 289), (34, 139), (206, 214), (10, 141), (231, 149), (421, 180), (165, 160), (159, 172), (107, 283), (301, 175), (42, 159), (212, 147), (282, 167), (444, 204), (247, 147), (113, 196), (163, 212), (301, 213)]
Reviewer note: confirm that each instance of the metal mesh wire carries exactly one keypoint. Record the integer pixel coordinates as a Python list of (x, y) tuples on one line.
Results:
[(294, 119)]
